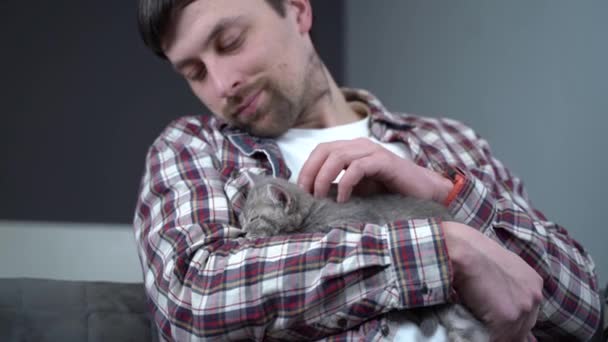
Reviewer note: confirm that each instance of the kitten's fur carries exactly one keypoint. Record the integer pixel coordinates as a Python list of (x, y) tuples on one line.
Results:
[(274, 207)]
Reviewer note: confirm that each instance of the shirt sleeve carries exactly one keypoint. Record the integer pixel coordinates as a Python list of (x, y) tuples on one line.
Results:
[(495, 202), (204, 281)]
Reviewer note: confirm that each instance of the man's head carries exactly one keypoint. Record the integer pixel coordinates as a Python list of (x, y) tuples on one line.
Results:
[(154, 17), (250, 62)]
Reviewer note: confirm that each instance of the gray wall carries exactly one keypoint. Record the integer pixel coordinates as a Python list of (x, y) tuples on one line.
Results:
[(82, 99), (529, 76)]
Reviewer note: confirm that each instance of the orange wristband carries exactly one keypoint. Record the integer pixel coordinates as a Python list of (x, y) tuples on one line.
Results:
[(457, 178)]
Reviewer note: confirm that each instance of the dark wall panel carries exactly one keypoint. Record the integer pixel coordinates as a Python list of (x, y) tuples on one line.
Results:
[(82, 100)]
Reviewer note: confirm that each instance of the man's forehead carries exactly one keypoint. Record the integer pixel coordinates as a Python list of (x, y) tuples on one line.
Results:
[(188, 19), (209, 9), (192, 11), (204, 13)]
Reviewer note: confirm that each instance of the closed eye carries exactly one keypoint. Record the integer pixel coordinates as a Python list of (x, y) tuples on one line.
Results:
[(230, 44), (262, 218), (197, 74), (254, 218)]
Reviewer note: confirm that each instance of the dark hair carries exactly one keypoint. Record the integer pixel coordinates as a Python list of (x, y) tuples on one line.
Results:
[(154, 15)]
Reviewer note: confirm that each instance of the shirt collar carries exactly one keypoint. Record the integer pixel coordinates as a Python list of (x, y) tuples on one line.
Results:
[(382, 121), (379, 114)]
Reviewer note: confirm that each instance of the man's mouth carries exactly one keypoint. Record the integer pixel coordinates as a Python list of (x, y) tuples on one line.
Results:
[(249, 106)]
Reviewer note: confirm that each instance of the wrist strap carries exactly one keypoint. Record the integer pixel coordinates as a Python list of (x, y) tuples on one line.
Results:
[(458, 179)]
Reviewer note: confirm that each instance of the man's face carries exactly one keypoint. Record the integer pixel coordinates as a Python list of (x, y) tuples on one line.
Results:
[(245, 62)]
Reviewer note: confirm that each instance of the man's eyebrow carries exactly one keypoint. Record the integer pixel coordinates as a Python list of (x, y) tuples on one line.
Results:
[(220, 26)]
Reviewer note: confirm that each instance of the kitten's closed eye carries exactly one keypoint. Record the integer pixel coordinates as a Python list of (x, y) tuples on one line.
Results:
[(259, 226), (261, 219), (255, 218)]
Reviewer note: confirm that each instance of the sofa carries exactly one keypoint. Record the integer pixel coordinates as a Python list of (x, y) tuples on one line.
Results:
[(45, 310)]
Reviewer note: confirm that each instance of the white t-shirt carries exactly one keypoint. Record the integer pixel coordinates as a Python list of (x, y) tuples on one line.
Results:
[(297, 143)]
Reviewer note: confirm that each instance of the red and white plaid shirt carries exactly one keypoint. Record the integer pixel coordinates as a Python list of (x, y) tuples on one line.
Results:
[(206, 282)]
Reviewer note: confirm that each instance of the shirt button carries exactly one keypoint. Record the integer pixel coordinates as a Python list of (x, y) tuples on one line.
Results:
[(425, 289), (385, 330), (342, 322)]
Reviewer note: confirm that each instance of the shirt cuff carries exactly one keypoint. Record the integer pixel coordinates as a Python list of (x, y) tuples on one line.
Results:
[(470, 201), (421, 262)]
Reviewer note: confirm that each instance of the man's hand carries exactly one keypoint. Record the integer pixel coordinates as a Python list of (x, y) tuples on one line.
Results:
[(499, 287), (368, 165)]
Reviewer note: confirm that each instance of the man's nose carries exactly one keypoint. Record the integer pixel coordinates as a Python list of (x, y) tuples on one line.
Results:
[(225, 79)]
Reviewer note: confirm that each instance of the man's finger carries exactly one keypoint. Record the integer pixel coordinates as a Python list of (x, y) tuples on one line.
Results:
[(326, 162), (354, 173), (311, 167)]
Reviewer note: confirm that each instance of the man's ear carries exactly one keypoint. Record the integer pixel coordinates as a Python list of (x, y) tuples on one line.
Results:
[(279, 197), (303, 12)]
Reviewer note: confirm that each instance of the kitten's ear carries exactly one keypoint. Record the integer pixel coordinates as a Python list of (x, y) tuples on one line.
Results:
[(279, 196)]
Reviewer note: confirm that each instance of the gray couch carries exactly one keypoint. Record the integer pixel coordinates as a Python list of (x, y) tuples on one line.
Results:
[(42, 310)]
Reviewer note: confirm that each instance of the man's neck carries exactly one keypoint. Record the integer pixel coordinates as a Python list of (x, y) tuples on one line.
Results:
[(330, 110)]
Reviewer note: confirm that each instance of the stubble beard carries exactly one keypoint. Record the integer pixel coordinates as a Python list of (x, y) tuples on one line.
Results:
[(284, 111), (276, 117)]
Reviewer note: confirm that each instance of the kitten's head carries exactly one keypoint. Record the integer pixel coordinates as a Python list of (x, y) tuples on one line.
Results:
[(273, 206)]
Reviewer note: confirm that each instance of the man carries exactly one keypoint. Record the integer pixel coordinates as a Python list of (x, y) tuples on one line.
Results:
[(252, 63)]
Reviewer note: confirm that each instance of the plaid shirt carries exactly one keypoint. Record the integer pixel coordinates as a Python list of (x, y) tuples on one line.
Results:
[(206, 282)]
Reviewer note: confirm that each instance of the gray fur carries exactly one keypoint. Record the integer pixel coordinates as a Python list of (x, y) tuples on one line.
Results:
[(275, 207)]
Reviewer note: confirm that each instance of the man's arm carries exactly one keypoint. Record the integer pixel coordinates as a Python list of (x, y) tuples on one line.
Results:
[(500, 219), (206, 282), (494, 202)]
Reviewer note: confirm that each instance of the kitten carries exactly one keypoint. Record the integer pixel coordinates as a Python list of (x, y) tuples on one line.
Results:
[(274, 207)]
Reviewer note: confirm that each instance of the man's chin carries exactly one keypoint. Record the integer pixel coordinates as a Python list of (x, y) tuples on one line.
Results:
[(265, 127), (266, 132)]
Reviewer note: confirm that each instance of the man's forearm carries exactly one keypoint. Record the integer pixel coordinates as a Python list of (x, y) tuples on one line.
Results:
[(497, 285), (501, 213)]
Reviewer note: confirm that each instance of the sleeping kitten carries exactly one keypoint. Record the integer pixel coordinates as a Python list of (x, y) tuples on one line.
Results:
[(274, 207)]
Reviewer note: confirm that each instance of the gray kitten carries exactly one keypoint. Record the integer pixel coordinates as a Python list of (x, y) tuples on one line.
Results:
[(274, 207)]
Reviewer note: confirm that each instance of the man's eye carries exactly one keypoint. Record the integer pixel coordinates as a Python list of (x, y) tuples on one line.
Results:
[(197, 74), (231, 44)]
